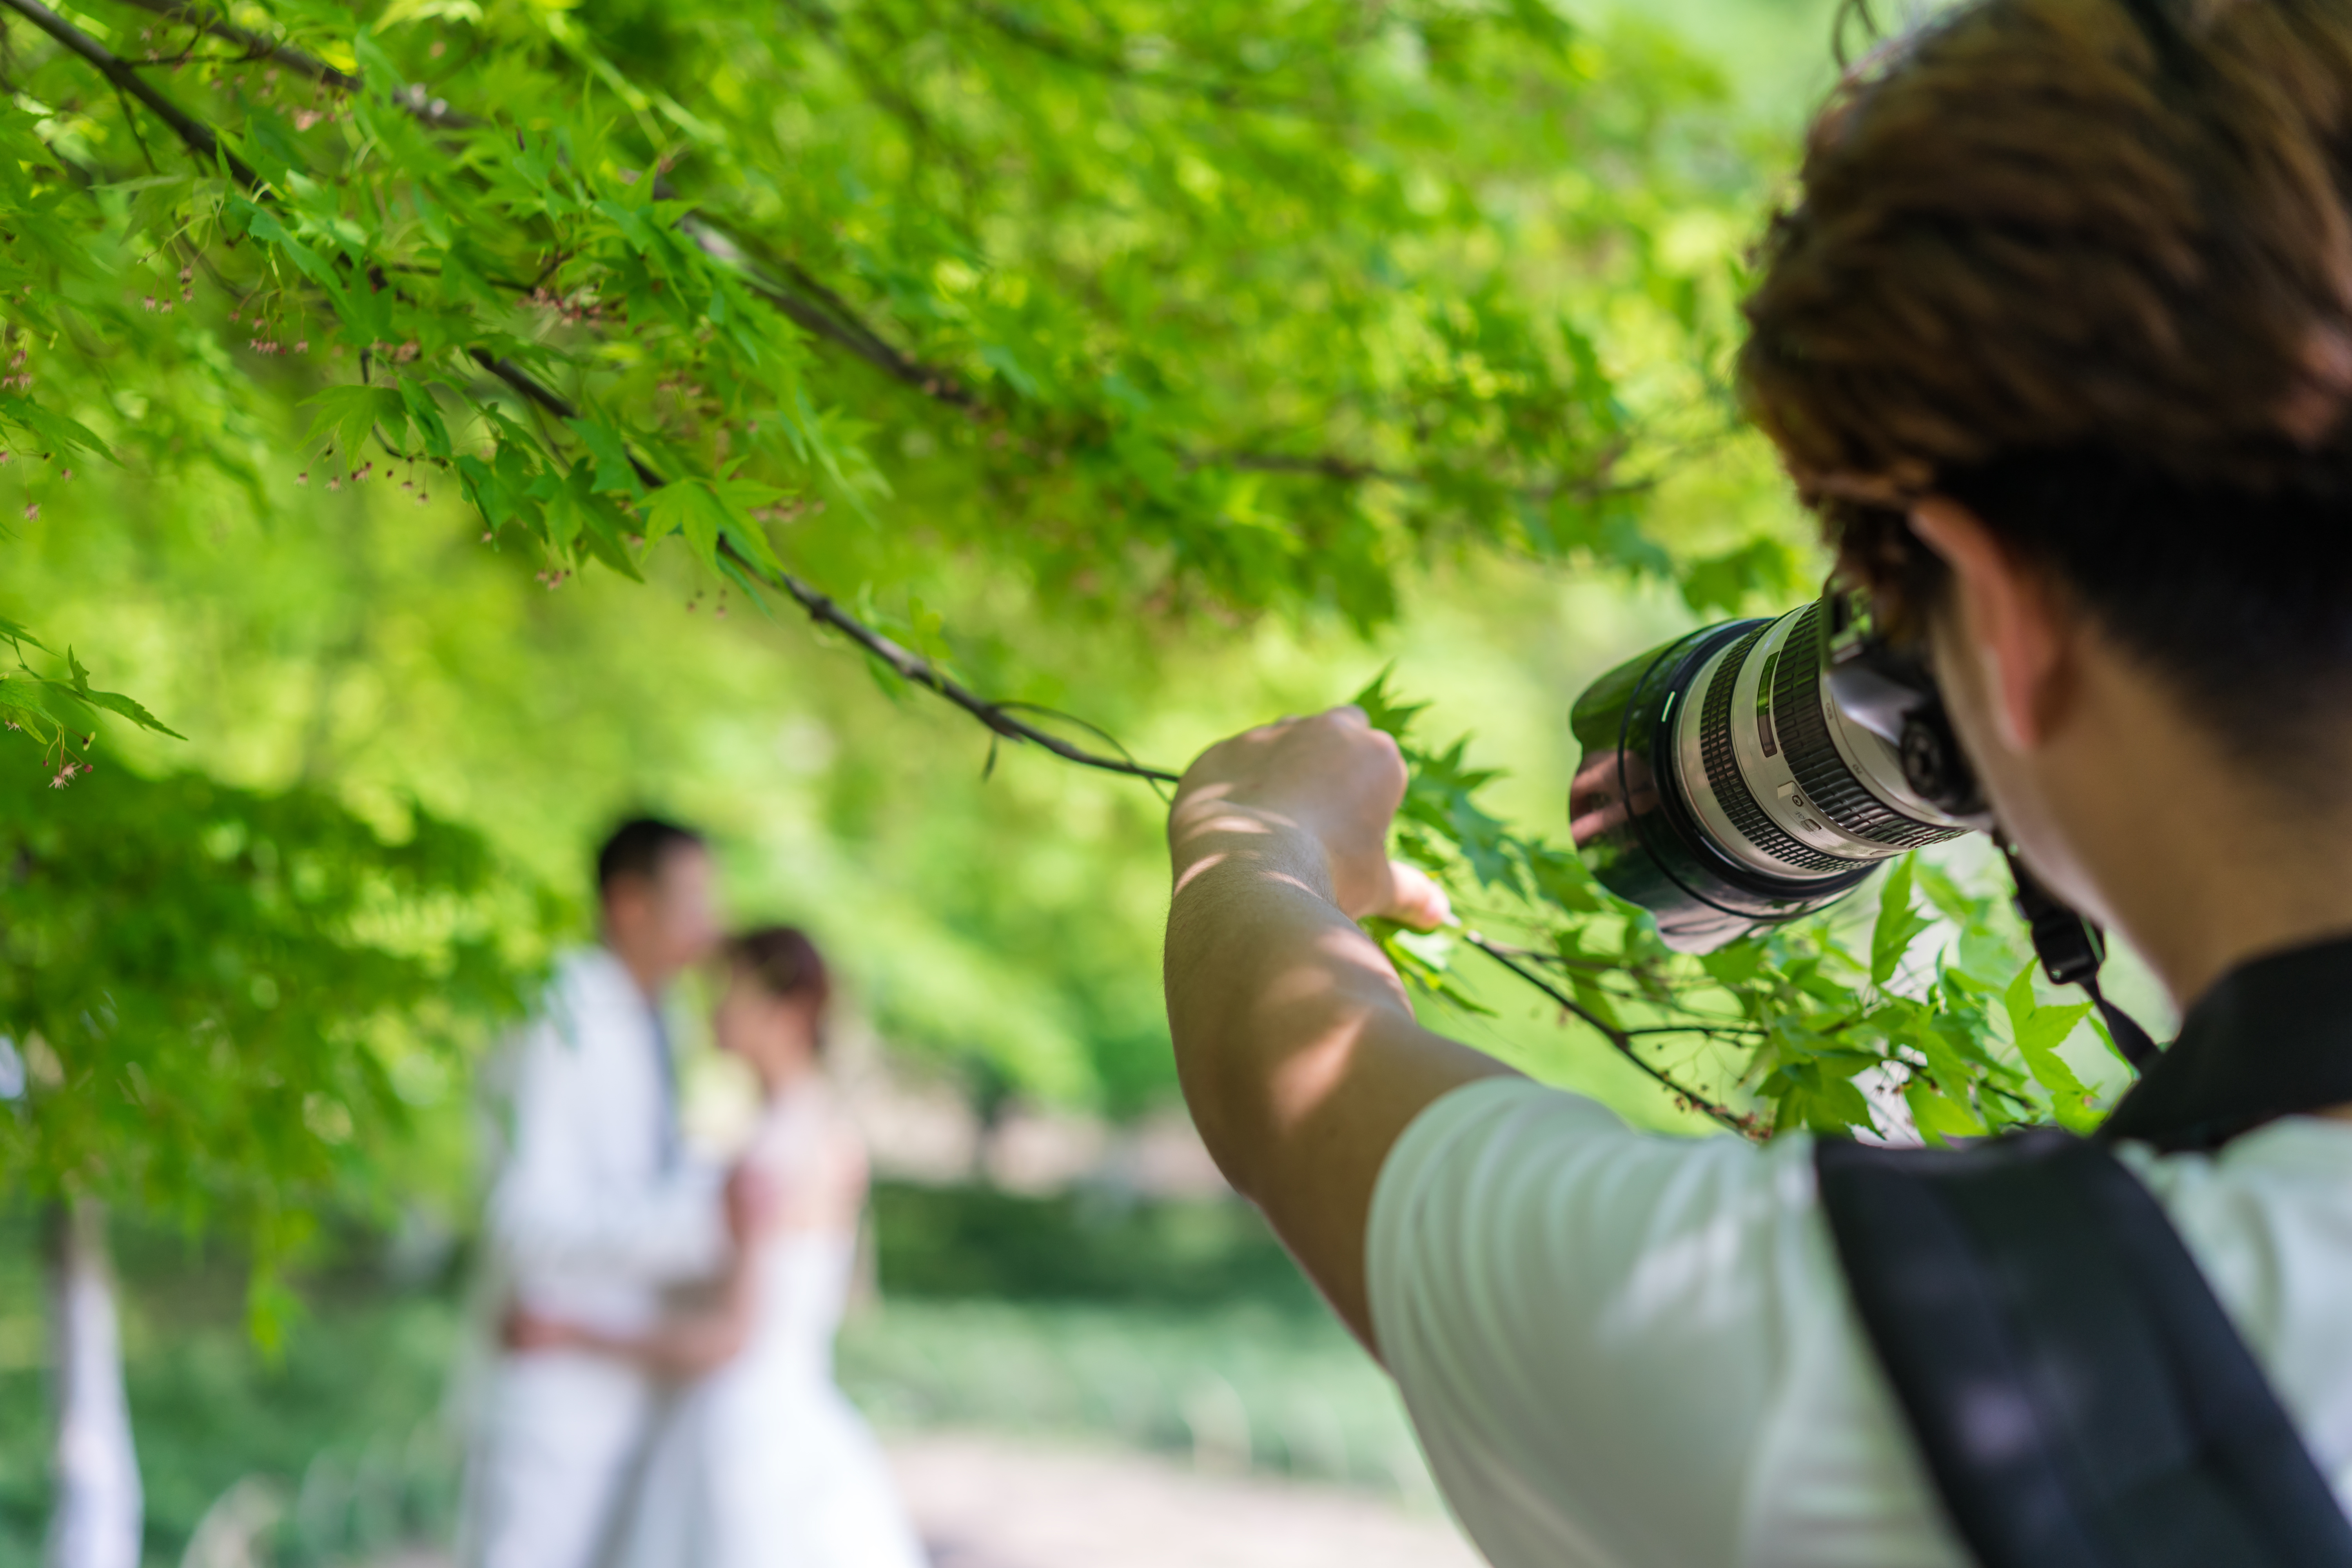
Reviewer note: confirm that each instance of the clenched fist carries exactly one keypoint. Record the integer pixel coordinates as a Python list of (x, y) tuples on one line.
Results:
[(1329, 782)]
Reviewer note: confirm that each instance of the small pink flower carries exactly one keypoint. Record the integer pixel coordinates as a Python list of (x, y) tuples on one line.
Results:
[(32, 510), (303, 478)]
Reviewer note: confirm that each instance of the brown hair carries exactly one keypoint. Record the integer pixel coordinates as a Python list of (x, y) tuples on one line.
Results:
[(2086, 266), (783, 963)]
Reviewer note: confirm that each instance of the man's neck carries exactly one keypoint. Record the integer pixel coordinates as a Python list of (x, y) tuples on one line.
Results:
[(2202, 871), (652, 981)]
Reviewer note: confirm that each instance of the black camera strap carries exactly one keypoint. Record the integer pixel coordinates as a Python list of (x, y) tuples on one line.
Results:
[(2080, 1397), (2072, 949)]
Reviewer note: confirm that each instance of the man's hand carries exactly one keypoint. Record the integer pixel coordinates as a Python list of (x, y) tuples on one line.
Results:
[(525, 1332), (1296, 1047), (1330, 782)]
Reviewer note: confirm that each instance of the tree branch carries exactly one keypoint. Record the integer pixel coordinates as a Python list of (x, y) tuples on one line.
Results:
[(194, 135), (190, 15), (816, 308), (1111, 63), (822, 608), (820, 311), (818, 605)]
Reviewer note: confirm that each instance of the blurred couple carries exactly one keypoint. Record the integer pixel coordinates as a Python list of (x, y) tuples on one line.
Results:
[(664, 1397)]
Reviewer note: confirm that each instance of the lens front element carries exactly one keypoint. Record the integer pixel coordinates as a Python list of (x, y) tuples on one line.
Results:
[(1723, 788)]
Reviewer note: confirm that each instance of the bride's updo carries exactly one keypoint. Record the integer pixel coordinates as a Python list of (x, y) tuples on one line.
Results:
[(786, 966)]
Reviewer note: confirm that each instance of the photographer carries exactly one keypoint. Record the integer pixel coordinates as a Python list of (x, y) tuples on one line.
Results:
[(2057, 339)]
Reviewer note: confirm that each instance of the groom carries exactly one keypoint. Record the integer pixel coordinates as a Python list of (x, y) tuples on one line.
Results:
[(596, 1209)]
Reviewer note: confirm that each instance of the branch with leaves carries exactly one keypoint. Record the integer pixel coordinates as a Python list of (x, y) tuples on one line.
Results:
[(1135, 428), (615, 303)]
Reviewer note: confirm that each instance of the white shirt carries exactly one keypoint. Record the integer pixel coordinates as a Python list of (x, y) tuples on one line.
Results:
[(1622, 1347), (593, 1215)]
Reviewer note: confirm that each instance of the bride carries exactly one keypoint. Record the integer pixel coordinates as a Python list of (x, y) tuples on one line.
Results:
[(761, 1462)]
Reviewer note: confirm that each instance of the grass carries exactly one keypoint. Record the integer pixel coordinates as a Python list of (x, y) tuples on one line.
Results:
[(1174, 1330)]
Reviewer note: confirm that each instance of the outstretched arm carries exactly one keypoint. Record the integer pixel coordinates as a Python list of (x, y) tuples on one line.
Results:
[(1299, 1056)]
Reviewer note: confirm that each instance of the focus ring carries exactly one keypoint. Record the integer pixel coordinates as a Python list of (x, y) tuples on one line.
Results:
[(1722, 776), (1820, 772)]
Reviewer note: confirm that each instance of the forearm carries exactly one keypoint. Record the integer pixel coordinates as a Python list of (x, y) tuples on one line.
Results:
[(1299, 1052), (691, 1343), (1271, 989)]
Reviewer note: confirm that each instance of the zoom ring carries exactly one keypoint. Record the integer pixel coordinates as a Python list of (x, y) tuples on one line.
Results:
[(1820, 771), (1722, 776)]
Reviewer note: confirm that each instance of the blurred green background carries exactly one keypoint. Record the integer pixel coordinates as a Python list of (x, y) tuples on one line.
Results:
[(997, 914)]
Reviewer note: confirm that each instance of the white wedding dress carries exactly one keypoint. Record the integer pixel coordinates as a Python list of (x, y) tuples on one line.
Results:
[(764, 1463)]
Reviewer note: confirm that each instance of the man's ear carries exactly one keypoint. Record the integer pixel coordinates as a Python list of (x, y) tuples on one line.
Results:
[(2006, 618)]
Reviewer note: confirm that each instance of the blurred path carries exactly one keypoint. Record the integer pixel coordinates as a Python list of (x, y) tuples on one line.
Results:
[(984, 1502), (987, 1502)]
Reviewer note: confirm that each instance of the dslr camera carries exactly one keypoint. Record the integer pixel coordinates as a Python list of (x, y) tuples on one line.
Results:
[(1755, 770)]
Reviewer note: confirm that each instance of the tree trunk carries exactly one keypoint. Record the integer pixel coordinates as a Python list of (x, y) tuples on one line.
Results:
[(95, 1508)]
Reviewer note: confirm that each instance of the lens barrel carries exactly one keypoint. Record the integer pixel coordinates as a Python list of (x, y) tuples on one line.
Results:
[(1723, 787)]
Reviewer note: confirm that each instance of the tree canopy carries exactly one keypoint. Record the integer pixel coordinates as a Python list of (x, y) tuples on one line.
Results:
[(399, 395)]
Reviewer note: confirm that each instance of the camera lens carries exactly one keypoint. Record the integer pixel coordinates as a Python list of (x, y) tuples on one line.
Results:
[(1723, 787)]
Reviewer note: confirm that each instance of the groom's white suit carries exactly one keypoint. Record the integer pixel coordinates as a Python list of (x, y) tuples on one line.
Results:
[(595, 1213)]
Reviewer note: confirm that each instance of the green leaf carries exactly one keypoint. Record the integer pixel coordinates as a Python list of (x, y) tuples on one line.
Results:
[(20, 699), (1938, 1116), (349, 413), (1899, 924), (2038, 1029), (1384, 710), (1740, 964), (59, 432), (15, 633), (1820, 1101), (114, 702), (688, 508), (610, 454)]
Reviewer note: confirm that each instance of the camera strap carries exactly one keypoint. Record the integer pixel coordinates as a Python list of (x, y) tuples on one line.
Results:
[(2072, 949), (2080, 1397)]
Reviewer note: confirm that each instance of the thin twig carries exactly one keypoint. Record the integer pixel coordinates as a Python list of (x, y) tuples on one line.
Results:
[(1622, 1039), (193, 15), (198, 137), (1111, 63)]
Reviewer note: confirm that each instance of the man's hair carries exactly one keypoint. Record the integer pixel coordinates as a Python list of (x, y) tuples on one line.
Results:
[(638, 847), (2085, 267)]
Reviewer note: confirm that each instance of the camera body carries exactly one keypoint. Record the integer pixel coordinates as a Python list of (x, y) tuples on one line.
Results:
[(1755, 770)]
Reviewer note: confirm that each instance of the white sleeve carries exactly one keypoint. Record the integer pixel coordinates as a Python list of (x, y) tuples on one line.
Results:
[(549, 1215), (1583, 1322)]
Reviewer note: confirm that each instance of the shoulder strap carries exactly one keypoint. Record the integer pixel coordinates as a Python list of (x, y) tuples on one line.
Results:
[(2079, 1398)]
